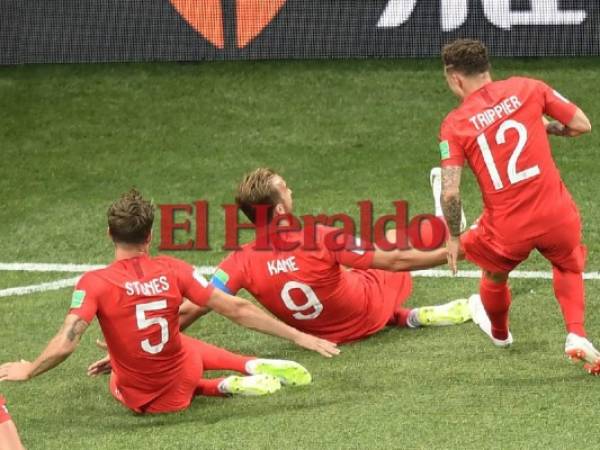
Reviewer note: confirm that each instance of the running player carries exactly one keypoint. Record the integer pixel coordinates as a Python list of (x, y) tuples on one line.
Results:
[(501, 130), (136, 299), (310, 288), (9, 437)]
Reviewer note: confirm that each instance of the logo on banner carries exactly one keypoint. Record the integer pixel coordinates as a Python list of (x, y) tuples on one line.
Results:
[(499, 12), (206, 17)]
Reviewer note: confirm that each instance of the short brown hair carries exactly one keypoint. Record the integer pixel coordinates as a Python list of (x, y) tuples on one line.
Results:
[(257, 188), (467, 56), (130, 218)]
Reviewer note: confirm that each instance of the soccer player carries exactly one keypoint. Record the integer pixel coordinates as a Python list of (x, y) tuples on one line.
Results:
[(155, 369), (501, 130), (9, 437), (311, 290)]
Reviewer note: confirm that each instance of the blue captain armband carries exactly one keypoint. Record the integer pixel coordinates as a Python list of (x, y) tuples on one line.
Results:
[(219, 280)]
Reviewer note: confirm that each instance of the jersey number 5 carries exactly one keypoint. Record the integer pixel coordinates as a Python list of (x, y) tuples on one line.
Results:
[(513, 175), (143, 322), (312, 301)]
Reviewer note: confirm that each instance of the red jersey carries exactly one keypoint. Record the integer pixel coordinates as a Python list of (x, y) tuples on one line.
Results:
[(499, 131), (137, 304), (4, 415), (310, 290)]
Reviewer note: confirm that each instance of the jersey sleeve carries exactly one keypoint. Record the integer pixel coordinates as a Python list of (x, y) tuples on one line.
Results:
[(84, 302), (4, 415), (557, 106), (192, 284), (230, 276), (345, 249), (451, 151)]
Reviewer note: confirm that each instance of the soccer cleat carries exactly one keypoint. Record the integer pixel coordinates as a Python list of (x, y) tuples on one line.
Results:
[(481, 318), (435, 180), (289, 373), (578, 348), (451, 313), (250, 386)]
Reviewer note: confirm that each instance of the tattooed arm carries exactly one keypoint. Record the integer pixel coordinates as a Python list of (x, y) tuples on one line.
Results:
[(452, 207), (57, 350)]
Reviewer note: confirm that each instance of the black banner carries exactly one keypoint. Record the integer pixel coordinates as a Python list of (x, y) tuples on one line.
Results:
[(47, 31)]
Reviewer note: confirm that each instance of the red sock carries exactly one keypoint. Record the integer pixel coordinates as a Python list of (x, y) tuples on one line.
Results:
[(209, 387), (569, 291), (215, 358), (496, 301), (400, 318)]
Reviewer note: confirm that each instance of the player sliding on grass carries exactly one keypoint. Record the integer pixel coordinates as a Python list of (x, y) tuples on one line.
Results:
[(311, 289), (500, 129), (9, 437), (156, 369)]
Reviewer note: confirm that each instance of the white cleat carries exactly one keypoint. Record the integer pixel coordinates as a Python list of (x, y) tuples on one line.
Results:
[(578, 348), (435, 180), (481, 318)]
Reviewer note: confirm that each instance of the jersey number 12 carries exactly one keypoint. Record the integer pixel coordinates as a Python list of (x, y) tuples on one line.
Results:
[(513, 175)]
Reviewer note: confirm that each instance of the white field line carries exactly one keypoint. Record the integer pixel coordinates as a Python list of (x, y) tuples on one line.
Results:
[(42, 287), (209, 270)]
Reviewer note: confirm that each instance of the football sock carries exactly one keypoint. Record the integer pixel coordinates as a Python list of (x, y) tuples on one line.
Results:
[(210, 387), (215, 358), (569, 291), (402, 318), (496, 301)]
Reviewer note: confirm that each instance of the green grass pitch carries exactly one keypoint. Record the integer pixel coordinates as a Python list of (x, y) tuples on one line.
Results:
[(74, 137)]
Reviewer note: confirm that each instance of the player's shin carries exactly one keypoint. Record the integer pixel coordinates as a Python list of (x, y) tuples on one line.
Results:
[(496, 301), (569, 291), (216, 358)]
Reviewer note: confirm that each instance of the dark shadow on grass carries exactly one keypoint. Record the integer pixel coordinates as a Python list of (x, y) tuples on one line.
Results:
[(202, 412)]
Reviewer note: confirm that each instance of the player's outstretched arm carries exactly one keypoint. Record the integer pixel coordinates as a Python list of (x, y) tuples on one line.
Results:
[(452, 208), (410, 259), (250, 316), (57, 350), (580, 124), (190, 312)]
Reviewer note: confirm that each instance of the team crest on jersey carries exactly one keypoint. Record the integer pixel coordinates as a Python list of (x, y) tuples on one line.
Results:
[(444, 149), (200, 278), (77, 299)]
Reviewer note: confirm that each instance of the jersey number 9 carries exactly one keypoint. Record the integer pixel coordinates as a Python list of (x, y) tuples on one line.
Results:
[(312, 301)]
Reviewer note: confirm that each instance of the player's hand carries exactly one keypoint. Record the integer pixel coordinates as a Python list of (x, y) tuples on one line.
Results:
[(324, 347), (453, 247), (16, 371), (100, 367), (556, 128)]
